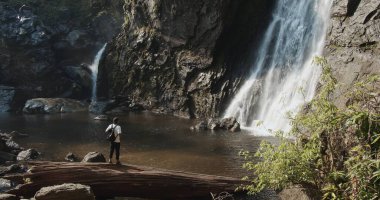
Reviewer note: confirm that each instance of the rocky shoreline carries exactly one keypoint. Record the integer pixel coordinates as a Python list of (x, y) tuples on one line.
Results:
[(14, 160)]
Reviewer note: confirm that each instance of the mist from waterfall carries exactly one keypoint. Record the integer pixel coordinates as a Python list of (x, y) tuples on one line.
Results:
[(94, 72), (283, 75)]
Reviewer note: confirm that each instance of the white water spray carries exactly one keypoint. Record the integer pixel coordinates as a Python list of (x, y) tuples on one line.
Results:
[(94, 71), (284, 76)]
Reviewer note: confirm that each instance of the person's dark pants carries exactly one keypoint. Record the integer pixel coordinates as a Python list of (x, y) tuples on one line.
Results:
[(115, 146)]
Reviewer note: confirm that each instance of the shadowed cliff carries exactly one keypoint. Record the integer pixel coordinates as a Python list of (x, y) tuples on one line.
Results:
[(183, 57)]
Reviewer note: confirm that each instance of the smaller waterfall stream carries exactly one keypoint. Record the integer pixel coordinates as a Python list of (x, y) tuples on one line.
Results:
[(94, 70), (284, 77)]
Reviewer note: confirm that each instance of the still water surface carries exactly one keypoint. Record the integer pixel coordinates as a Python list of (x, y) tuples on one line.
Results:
[(148, 139)]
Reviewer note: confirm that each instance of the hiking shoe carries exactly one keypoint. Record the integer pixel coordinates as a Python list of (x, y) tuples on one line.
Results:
[(118, 163)]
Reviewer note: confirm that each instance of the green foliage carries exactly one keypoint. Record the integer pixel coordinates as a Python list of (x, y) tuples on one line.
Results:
[(290, 162), (364, 174), (335, 150), (363, 165)]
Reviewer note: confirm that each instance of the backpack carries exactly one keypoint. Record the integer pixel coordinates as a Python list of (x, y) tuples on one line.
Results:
[(110, 134)]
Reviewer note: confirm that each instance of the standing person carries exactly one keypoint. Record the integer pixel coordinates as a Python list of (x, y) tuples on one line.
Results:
[(115, 145)]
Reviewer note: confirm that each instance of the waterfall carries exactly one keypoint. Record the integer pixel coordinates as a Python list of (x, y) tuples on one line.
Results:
[(94, 72), (283, 76)]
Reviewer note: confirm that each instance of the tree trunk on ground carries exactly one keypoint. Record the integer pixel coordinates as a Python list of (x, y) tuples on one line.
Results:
[(107, 180)]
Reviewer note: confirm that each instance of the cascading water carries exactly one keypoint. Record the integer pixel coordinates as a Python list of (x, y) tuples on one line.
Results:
[(284, 77), (94, 72)]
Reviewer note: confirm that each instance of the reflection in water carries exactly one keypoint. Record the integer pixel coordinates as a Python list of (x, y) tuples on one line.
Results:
[(148, 139)]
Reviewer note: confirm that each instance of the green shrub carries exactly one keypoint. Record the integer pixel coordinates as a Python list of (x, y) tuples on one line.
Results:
[(334, 150), (283, 165)]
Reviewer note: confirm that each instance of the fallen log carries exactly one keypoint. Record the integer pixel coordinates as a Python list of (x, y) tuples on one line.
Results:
[(108, 180)]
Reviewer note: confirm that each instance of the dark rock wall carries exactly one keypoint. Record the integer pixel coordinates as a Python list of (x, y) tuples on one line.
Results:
[(183, 57), (353, 48), (43, 44)]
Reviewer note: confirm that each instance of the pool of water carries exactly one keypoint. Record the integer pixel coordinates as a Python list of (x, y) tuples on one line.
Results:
[(148, 139)]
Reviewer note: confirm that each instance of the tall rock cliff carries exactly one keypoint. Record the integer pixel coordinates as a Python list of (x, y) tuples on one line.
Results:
[(43, 44), (189, 57), (183, 57), (353, 42)]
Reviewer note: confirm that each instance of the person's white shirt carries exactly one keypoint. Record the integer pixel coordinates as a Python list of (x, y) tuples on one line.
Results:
[(117, 131)]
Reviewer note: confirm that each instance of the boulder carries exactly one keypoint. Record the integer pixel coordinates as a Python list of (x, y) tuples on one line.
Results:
[(94, 157), (71, 157), (300, 193), (53, 105), (30, 154), (5, 184), (4, 196), (230, 124), (8, 145), (15, 168), (67, 191)]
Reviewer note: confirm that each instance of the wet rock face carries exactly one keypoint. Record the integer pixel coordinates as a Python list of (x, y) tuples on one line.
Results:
[(353, 47), (43, 44), (183, 57)]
